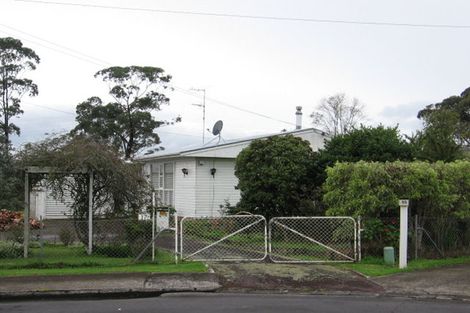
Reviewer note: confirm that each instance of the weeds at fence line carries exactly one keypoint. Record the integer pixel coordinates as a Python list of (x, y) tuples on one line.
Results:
[(428, 237)]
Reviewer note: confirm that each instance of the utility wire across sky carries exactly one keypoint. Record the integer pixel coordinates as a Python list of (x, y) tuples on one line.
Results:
[(96, 61), (254, 17)]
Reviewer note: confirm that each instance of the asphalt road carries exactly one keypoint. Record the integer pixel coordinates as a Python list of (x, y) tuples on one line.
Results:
[(228, 303)]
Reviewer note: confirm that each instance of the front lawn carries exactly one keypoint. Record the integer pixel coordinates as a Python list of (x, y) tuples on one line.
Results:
[(61, 260)]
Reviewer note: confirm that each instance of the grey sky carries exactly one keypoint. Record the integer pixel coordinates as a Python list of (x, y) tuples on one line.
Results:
[(259, 65)]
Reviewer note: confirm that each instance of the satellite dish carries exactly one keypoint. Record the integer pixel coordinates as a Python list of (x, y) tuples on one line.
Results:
[(217, 128)]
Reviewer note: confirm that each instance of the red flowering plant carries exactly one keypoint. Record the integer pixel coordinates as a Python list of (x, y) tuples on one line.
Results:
[(12, 219)]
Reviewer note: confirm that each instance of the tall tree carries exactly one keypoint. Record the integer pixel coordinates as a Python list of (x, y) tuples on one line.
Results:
[(11, 184), (440, 138), (337, 114), (15, 59), (460, 105), (127, 121), (446, 129)]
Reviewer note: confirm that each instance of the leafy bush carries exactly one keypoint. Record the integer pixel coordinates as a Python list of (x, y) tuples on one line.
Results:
[(10, 250), (123, 238), (138, 230), (66, 236), (16, 233), (10, 219), (138, 234), (115, 250), (373, 189), (277, 177)]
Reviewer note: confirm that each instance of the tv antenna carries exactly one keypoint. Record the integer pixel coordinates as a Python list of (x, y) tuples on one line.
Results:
[(203, 106)]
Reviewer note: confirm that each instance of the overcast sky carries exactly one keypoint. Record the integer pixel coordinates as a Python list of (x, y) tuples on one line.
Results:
[(261, 65)]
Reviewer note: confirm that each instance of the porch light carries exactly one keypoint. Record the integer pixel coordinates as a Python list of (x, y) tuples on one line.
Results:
[(184, 171), (213, 170)]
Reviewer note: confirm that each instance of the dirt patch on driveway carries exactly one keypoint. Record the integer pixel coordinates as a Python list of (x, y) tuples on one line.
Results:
[(291, 278)]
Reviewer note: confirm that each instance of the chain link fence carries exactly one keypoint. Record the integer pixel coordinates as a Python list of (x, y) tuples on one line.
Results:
[(62, 243), (124, 241), (436, 237), (11, 242), (428, 237), (312, 239), (228, 238)]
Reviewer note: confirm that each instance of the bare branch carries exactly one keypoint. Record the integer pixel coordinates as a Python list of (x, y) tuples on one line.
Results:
[(337, 114)]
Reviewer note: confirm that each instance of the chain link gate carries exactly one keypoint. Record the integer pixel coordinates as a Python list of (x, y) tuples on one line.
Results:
[(227, 238), (312, 239)]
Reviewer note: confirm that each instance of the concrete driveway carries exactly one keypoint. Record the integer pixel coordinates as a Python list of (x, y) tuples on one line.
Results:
[(307, 278), (445, 281)]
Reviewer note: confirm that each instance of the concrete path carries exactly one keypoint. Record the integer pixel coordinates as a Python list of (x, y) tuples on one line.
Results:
[(445, 281), (106, 284)]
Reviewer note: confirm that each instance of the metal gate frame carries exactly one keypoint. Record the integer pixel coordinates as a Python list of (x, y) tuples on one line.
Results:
[(273, 220), (262, 219)]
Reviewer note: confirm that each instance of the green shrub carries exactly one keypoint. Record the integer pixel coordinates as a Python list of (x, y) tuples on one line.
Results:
[(34, 244), (372, 189), (115, 251), (10, 250), (66, 236), (137, 231)]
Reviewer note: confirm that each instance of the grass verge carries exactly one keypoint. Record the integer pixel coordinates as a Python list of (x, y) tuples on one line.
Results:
[(60, 260), (376, 266), (190, 267)]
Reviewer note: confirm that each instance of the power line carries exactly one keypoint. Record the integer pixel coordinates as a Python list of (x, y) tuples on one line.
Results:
[(233, 106), (56, 44), (48, 108), (54, 49), (102, 63), (255, 17), (70, 113)]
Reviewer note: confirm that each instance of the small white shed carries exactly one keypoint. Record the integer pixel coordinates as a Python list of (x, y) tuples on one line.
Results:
[(197, 181)]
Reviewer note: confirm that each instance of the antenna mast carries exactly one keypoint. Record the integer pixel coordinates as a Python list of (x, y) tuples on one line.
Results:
[(203, 105)]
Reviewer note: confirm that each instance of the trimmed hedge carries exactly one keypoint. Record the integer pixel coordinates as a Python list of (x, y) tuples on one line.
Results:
[(372, 189)]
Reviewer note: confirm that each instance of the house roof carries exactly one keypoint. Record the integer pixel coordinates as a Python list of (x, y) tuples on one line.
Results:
[(200, 150)]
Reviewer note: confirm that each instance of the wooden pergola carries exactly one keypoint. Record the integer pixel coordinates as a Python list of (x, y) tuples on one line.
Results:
[(48, 170)]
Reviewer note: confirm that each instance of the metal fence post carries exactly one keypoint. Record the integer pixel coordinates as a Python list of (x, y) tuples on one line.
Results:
[(359, 231), (153, 226), (26, 215), (176, 237), (41, 241), (416, 236), (268, 242), (90, 213)]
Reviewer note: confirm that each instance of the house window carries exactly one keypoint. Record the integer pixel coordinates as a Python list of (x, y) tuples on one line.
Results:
[(162, 180)]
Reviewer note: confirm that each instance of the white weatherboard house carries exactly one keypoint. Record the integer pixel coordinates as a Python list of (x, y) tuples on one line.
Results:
[(196, 182)]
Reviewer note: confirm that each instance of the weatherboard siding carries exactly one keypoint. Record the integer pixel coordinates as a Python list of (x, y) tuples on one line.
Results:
[(185, 191), (213, 191), (56, 209)]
